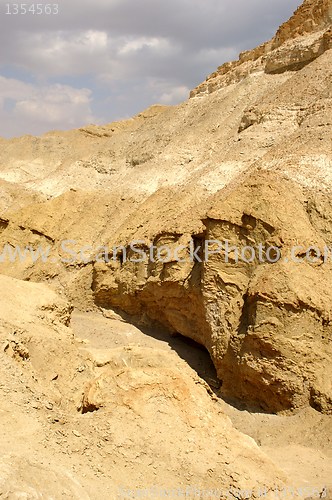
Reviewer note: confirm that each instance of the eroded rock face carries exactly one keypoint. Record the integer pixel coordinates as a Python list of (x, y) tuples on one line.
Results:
[(266, 324), (298, 42), (251, 164), (290, 58), (140, 416), (311, 16)]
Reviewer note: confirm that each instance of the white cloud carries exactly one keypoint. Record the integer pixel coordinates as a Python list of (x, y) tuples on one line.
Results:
[(59, 54), (165, 91), (42, 107), (55, 105), (174, 95), (136, 44), (130, 53), (62, 53)]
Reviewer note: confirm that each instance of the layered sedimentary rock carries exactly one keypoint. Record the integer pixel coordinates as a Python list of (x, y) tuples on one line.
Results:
[(265, 323), (300, 40)]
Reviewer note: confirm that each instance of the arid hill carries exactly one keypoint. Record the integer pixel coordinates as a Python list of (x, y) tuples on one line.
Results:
[(245, 162)]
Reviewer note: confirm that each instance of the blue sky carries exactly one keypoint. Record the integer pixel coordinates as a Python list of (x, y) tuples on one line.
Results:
[(97, 61)]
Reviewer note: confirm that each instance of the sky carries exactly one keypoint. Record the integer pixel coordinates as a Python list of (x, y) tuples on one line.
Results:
[(96, 61)]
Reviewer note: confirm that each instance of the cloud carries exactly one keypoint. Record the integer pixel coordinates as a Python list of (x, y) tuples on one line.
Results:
[(57, 53), (142, 43), (57, 104), (128, 53), (42, 107), (174, 94)]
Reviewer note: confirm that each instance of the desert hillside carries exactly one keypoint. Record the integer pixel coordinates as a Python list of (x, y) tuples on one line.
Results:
[(202, 369)]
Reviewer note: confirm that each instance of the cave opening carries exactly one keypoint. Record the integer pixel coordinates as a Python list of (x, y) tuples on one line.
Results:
[(197, 357)]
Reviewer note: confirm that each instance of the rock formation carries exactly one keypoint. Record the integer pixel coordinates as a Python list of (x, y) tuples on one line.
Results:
[(246, 161), (152, 404), (269, 148)]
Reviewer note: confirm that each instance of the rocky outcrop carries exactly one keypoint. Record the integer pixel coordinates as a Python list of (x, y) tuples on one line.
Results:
[(147, 387), (298, 42), (290, 58), (35, 335), (311, 16), (68, 399), (257, 318)]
